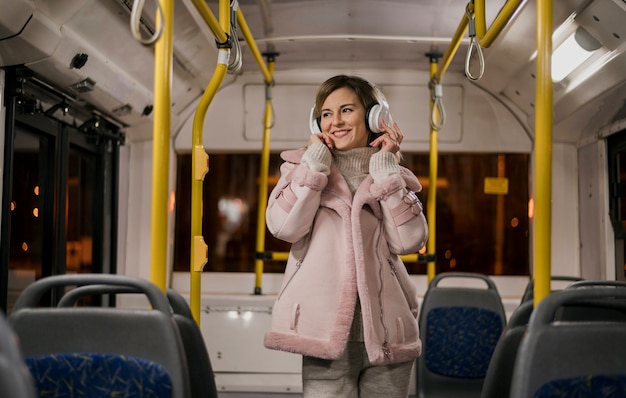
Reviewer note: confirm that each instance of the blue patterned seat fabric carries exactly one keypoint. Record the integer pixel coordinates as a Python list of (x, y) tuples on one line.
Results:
[(98, 376), (461, 340), (590, 386)]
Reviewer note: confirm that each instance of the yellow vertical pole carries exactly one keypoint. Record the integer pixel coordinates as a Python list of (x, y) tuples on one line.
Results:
[(543, 151), (431, 203), (265, 161), (200, 166), (499, 250), (161, 144)]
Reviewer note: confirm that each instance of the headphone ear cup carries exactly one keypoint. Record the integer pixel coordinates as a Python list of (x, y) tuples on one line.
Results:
[(373, 119), (379, 112), (314, 123)]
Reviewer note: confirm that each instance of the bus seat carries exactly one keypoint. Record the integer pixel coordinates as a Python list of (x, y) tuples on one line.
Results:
[(612, 310), (108, 375), (500, 371), (460, 327), (572, 358), (520, 316), (15, 380), (200, 369), (103, 334), (530, 287), (201, 376)]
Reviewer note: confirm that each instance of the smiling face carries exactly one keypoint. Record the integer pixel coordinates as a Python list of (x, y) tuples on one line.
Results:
[(343, 119)]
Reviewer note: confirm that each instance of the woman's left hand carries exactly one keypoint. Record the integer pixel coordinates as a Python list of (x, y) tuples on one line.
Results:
[(391, 139)]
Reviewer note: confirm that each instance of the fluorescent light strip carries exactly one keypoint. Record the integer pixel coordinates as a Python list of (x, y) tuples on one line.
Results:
[(567, 57)]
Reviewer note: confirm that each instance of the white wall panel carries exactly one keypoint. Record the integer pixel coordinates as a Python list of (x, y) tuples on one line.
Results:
[(475, 120)]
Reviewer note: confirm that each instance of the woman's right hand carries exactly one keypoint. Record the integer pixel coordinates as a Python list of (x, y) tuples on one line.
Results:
[(322, 138), (390, 140)]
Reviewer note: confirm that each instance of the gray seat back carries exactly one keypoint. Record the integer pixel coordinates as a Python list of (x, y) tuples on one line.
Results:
[(611, 310), (15, 379), (500, 372), (201, 376), (572, 358), (459, 327), (529, 291), (148, 334)]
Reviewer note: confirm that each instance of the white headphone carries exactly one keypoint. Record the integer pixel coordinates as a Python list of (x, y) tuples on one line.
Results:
[(373, 117)]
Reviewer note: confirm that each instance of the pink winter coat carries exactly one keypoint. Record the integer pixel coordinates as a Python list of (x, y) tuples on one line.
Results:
[(344, 246)]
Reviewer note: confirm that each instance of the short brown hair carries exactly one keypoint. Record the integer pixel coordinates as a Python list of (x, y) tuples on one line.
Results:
[(364, 90)]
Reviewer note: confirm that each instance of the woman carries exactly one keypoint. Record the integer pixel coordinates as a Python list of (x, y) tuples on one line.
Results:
[(349, 209)]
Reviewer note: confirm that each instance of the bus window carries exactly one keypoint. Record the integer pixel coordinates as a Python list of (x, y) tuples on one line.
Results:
[(617, 182), (477, 230), (616, 148)]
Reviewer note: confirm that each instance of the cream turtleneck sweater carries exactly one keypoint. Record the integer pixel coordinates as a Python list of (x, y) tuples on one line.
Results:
[(354, 164)]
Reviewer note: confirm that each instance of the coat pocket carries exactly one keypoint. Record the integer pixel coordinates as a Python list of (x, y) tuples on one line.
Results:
[(289, 279), (295, 315), (400, 330), (297, 254), (404, 282)]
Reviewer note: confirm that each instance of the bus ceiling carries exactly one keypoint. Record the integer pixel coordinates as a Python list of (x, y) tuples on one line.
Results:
[(65, 45)]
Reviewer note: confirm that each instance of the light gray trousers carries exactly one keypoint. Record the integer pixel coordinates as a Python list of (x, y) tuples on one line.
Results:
[(353, 376)]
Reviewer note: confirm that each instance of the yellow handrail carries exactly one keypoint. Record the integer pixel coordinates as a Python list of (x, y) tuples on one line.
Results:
[(199, 250), (283, 256), (543, 152), (216, 27), (485, 37), (200, 161), (452, 48), (265, 160), (243, 25), (219, 30), (161, 144), (431, 203)]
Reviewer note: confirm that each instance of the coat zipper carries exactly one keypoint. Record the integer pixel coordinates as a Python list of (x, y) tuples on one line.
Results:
[(385, 346), (393, 268)]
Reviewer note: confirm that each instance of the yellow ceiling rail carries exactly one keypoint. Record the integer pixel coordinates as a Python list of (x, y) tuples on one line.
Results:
[(243, 25), (452, 48), (220, 30), (485, 37), (225, 13), (216, 27), (543, 152), (200, 162), (163, 51)]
